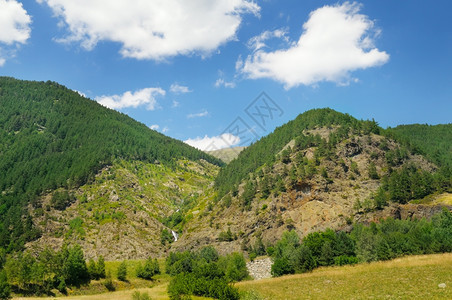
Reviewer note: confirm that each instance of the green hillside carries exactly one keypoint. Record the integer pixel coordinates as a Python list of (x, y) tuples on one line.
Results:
[(265, 150), (52, 137), (435, 141)]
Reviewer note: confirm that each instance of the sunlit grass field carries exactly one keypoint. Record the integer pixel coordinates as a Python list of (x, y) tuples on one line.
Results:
[(412, 277)]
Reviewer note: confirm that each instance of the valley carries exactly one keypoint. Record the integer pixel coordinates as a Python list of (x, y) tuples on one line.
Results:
[(80, 182)]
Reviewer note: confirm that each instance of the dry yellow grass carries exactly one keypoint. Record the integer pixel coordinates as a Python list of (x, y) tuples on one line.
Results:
[(157, 292), (413, 277), (445, 198)]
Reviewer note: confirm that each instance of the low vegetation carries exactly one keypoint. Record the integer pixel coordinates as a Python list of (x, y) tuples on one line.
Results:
[(205, 273), (385, 240), (410, 277)]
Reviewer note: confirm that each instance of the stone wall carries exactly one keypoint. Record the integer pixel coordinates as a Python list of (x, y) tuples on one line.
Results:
[(260, 268)]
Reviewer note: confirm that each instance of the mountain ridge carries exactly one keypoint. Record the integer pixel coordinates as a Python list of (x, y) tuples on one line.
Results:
[(76, 172)]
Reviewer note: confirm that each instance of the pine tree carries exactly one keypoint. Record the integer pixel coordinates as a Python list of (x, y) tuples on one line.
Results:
[(101, 267), (122, 271), (92, 269)]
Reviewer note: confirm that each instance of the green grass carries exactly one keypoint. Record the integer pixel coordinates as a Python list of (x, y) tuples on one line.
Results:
[(435, 199), (412, 277)]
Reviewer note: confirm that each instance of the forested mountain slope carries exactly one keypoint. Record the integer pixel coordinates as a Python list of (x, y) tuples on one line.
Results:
[(51, 137), (435, 141), (322, 170)]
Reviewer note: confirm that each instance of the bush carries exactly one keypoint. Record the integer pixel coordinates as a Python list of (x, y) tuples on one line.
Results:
[(345, 260), (250, 295), (226, 236), (5, 289), (234, 267), (140, 296), (108, 283)]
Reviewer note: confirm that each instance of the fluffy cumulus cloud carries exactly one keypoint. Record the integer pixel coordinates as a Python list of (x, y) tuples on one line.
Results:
[(154, 127), (226, 140), (14, 28), (153, 29), (179, 89), (144, 97), (336, 40)]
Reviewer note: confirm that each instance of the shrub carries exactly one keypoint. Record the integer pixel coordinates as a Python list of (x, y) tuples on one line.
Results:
[(250, 295), (108, 283), (226, 236), (140, 296), (345, 260), (234, 267), (5, 289)]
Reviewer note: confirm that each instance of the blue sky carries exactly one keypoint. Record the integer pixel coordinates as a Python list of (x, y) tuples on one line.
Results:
[(217, 73)]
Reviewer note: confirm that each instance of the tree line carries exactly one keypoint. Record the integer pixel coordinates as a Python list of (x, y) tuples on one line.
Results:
[(388, 239)]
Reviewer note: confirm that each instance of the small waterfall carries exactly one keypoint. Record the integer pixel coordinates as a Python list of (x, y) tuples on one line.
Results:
[(174, 235)]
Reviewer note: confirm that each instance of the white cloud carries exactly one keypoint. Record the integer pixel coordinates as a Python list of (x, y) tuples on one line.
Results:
[(80, 93), (198, 115), (336, 41), (175, 104), (154, 127), (226, 140), (221, 82), (258, 42), (179, 89), (14, 28), (153, 29), (144, 97), (165, 129)]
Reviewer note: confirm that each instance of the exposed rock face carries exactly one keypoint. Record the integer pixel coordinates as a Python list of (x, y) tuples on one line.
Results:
[(260, 268), (351, 149)]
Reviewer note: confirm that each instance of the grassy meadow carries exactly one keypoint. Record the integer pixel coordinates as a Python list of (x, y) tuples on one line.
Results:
[(411, 277)]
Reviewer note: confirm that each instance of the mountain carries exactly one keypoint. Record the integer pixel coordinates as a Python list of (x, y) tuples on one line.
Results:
[(227, 154), (322, 170), (54, 141), (72, 171)]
